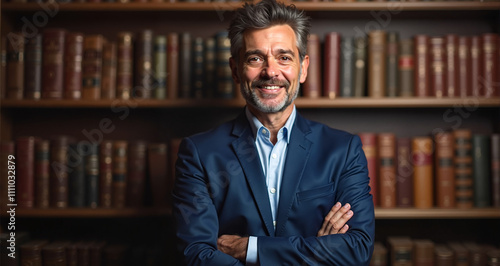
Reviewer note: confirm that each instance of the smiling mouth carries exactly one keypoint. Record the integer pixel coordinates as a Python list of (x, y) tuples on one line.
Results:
[(270, 87)]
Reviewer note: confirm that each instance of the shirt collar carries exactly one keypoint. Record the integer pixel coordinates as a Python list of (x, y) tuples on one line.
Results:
[(255, 124)]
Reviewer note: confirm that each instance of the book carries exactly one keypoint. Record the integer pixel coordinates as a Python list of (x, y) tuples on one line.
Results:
[(76, 175), (312, 85), (464, 86), (172, 65), (210, 74), (15, 67), (452, 65), (185, 65), (443, 255), (136, 173), (490, 65), (3, 66), (160, 67), (73, 60), (331, 76), (481, 166), (225, 85), (379, 256), (92, 66), (158, 170), (31, 252), (91, 170), (424, 252), (143, 74), (495, 169), (59, 146), (422, 66), (54, 253), (53, 63), (360, 66), (460, 253), (124, 65), (369, 141), (33, 67), (406, 68), (377, 49), (108, 84), (476, 67), (347, 69), (445, 170), (392, 64), (463, 168), (423, 178), (387, 169), (25, 171), (198, 69), (42, 173), (106, 173), (477, 253), (404, 173), (400, 250), (120, 168), (437, 65)]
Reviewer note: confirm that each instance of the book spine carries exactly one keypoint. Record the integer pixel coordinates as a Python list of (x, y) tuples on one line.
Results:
[(172, 65), (3, 67), (209, 83), (25, 159), (106, 173), (377, 47), (136, 173), (404, 173), (360, 66), (452, 66), (445, 170), (124, 65), (144, 61), (331, 76), (347, 69), (312, 85), (76, 176), (422, 66), (92, 176), (73, 59), (495, 169), (120, 154), (476, 69), (463, 168), (438, 68), (460, 253), (443, 255), (387, 169), (185, 65), (160, 67), (15, 67), (31, 252), (42, 174), (54, 253), (422, 148), (369, 141), (92, 67), (424, 252), (481, 170), (109, 61), (33, 68), (379, 256), (158, 172), (59, 172), (198, 68), (464, 67), (406, 68), (53, 63), (401, 250), (392, 64), (490, 65), (225, 84)]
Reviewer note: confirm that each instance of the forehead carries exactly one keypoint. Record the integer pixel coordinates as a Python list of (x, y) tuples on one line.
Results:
[(272, 37)]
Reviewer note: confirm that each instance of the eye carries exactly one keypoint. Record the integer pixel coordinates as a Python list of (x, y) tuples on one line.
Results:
[(285, 59), (254, 60)]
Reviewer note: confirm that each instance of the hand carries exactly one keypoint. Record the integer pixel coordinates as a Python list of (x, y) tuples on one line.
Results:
[(233, 245), (336, 219)]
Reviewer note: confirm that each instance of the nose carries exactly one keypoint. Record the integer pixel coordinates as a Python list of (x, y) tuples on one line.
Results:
[(271, 68)]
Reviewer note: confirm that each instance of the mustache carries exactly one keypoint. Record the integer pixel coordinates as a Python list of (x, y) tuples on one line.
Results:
[(270, 82)]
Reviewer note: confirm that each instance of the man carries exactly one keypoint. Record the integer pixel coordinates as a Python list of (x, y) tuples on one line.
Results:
[(267, 187)]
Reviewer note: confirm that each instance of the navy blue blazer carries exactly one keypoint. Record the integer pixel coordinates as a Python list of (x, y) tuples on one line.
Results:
[(220, 189)]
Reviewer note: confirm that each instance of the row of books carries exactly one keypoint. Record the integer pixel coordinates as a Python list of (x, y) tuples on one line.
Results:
[(384, 65), (63, 173), (403, 250), (60, 64), (454, 169)]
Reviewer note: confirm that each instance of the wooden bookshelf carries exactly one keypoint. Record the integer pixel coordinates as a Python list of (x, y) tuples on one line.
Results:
[(436, 213)]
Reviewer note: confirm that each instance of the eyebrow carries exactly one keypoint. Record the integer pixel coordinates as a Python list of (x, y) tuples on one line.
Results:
[(259, 52)]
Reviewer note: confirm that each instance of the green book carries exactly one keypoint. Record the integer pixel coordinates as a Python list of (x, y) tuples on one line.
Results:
[(481, 170)]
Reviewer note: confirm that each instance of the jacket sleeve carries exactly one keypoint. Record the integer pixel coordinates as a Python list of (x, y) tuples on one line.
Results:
[(353, 248), (196, 219)]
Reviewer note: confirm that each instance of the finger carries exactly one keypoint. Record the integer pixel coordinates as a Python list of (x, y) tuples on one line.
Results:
[(344, 229), (328, 216), (340, 224), (336, 223)]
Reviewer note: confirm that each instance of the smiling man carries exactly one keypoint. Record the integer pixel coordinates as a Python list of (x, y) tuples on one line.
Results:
[(271, 187)]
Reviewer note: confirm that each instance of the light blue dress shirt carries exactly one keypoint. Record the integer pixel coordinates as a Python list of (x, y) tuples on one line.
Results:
[(272, 158)]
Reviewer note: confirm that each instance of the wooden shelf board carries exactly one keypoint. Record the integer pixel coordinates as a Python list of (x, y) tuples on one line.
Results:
[(91, 213), (365, 102), (437, 213)]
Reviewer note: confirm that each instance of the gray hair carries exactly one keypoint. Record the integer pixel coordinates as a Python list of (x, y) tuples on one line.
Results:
[(263, 15)]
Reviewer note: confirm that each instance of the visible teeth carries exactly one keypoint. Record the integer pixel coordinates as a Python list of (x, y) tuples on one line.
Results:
[(272, 87)]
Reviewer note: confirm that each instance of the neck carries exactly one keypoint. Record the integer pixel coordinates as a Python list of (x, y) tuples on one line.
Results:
[(272, 121)]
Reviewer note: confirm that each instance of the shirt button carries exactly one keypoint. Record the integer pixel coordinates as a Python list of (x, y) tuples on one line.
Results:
[(264, 131), (274, 223), (274, 155), (273, 190)]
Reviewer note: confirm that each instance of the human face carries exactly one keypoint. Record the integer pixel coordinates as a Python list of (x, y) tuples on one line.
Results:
[(269, 70)]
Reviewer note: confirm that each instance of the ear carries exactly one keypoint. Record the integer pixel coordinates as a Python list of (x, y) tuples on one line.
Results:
[(234, 70), (304, 66)]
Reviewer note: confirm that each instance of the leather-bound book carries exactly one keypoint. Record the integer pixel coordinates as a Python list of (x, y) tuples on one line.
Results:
[(33, 68), (59, 171), (160, 67), (31, 252), (73, 59), (464, 190), (172, 65), (143, 65), (481, 166), (400, 250), (25, 171), (379, 256), (347, 69), (120, 154), (404, 173), (477, 254), (92, 175), (445, 170), (72, 254), (83, 252), (460, 252), (225, 86), (108, 85), (95, 253), (377, 49), (92, 67), (464, 66), (124, 65), (312, 85), (136, 174), (493, 257), (495, 169), (42, 173), (185, 65), (360, 66), (424, 252), (443, 255), (452, 66), (54, 253), (422, 66), (76, 176), (198, 73), (106, 173), (490, 65), (7, 154), (387, 169), (392, 64), (438, 71), (423, 178), (332, 55), (209, 59), (15, 67), (406, 68), (53, 63), (476, 66), (3, 66), (369, 141), (158, 173)]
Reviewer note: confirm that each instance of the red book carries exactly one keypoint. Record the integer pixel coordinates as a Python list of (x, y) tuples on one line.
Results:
[(422, 66), (445, 170), (92, 67), (452, 66), (136, 176), (42, 174), (476, 69), (464, 87), (387, 169), (438, 68), (73, 54), (369, 141), (52, 63), (312, 85), (423, 181), (404, 173), (124, 65), (331, 76), (25, 171), (490, 65), (463, 168)]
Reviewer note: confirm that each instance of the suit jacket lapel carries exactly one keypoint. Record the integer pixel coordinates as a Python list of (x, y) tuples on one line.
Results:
[(245, 150)]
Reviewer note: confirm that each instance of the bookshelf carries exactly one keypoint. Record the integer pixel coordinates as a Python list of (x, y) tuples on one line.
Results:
[(161, 120)]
